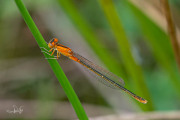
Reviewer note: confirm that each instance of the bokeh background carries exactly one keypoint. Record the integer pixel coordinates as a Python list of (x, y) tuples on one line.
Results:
[(141, 53)]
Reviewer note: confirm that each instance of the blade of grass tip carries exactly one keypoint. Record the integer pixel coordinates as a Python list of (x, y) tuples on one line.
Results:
[(133, 69), (171, 30), (53, 63), (155, 37), (72, 12)]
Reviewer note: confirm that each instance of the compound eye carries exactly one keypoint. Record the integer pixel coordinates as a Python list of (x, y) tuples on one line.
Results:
[(55, 40)]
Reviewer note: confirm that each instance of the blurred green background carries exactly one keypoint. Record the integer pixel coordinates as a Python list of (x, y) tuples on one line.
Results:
[(115, 34)]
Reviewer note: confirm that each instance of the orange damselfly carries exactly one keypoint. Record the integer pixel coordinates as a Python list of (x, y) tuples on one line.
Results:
[(108, 78)]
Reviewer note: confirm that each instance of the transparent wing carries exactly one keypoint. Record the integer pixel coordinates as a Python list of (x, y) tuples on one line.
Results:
[(107, 78)]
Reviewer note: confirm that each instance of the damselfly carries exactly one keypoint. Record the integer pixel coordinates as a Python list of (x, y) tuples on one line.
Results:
[(108, 78)]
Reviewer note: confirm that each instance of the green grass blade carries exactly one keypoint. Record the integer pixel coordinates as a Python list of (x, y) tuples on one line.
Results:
[(53, 63), (133, 69), (89, 35), (159, 42)]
